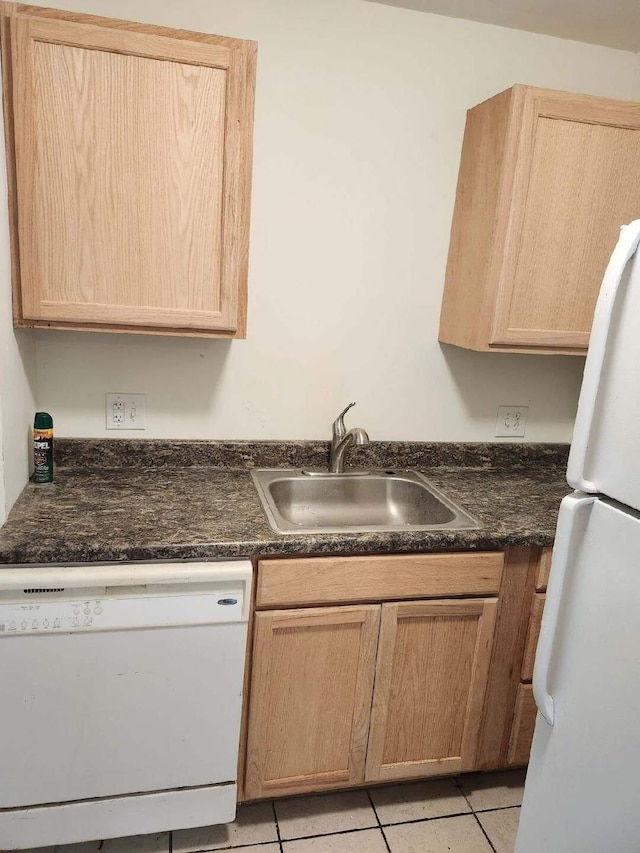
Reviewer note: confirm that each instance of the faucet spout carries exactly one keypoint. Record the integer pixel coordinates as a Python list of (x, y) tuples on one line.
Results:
[(359, 435), (342, 441)]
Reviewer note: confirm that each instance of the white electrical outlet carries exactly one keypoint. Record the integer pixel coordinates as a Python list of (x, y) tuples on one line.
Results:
[(511, 421), (125, 411), (117, 412)]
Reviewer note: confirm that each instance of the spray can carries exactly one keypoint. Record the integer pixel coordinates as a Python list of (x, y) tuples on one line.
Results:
[(43, 448)]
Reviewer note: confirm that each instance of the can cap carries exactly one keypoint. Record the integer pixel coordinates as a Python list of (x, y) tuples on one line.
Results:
[(43, 420)]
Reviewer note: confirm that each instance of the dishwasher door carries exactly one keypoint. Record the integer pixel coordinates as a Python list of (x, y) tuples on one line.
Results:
[(118, 691)]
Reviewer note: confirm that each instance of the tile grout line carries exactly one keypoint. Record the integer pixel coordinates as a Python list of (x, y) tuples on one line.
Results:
[(230, 848), (239, 847), (497, 809), (484, 832), (475, 816), (425, 819), (275, 818), (317, 835), (383, 826), (456, 782), (384, 837), (364, 828), (458, 785), (322, 834)]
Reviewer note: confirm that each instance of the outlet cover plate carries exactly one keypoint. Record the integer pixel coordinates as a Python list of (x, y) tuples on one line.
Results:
[(125, 411), (511, 421)]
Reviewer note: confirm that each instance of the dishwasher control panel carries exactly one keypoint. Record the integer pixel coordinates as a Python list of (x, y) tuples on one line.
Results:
[(38, 616), (49, 616)]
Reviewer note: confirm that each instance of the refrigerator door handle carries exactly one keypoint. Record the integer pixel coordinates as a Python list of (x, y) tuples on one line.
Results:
[(626, 247), (571, 509)]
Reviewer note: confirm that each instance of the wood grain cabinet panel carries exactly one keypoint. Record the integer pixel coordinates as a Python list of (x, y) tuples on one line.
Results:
[(524, 723), (132, 173), (431, 676), (544, 569), (546, 180), (533, 635), (333, 580), (310, 701)]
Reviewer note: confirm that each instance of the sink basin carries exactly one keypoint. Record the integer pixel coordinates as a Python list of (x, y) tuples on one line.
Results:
[(362, 501)]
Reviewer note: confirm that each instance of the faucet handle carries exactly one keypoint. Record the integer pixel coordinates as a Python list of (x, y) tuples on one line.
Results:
[(339, 428)]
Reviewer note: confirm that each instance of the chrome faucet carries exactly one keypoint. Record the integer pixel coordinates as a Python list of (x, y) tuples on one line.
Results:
[(342, 440)]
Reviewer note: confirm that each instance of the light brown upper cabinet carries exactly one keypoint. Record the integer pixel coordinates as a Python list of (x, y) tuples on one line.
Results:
[(546, 180), (129, 153)]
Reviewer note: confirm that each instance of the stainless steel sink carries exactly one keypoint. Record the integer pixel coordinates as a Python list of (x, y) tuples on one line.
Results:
[(354, 502)]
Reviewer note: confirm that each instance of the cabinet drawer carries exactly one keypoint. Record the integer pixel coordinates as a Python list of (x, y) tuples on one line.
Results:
[(325, 580), (533, 633), (524, 723), (544, 569)]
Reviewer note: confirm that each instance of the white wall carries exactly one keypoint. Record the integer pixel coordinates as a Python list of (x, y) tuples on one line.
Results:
[(636, 84), (3, 491), (17, 407), (17, 373), (359, 119)]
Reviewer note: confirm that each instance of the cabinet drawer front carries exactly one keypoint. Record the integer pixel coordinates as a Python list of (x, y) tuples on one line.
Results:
[(326, 580), (310, 700), (533, 633), (524, 723), (431, 676)]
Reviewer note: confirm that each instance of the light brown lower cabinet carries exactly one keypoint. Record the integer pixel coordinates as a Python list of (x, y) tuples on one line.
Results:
[(524, 723), (310, 703), (317, 722), (533, 634), (431, 676), (525, 711)]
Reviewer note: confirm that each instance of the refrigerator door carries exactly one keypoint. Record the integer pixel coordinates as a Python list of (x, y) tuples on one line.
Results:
[(604, 457), (581, 788)]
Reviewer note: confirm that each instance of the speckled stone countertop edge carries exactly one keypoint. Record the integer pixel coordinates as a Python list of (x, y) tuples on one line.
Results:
[(345, 545)]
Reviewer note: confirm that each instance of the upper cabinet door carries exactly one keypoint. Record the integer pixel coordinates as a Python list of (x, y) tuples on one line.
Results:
[(546, 180), (576, 181), (133, 159)]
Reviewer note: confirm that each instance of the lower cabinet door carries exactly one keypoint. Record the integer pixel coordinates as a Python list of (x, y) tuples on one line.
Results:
[(431, 677), (310, 702)]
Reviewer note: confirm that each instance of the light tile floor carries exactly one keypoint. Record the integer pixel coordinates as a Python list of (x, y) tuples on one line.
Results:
[(476, 813)]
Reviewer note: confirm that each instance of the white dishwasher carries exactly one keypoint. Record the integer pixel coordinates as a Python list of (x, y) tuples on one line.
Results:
[(120, 698)]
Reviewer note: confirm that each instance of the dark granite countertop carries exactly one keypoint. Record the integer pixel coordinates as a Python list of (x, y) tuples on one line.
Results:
[(126, 500)]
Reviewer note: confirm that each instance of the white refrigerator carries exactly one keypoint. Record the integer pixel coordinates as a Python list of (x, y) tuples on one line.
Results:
[(582, 792)]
